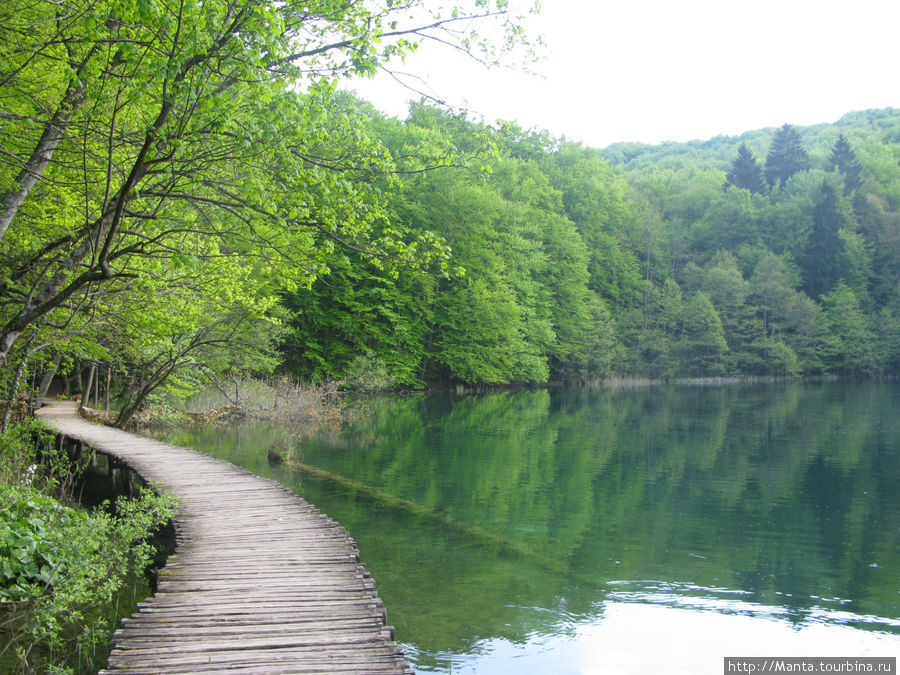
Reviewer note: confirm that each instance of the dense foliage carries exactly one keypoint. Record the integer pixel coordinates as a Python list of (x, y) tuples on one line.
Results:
[(184, 188), (167, 170), (685, 260)]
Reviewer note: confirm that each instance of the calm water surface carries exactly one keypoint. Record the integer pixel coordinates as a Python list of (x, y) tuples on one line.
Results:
[(596, 531)]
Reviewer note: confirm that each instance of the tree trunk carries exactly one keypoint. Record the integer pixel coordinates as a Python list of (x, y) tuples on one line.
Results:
[(13, 390), (79, 369), (47, 380), (35, 166), (97, 389), (157, 378), (86, 392), (54, 130), (32, 389)]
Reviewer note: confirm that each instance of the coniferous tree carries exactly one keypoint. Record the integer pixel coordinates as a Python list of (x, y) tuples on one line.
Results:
[(746, 172), (786, 156), (824, 260), (844, 160)]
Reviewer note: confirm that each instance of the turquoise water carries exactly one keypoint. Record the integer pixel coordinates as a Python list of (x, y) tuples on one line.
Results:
[(597, 531)]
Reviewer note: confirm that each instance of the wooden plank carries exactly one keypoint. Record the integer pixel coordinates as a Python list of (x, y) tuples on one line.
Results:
[(344, 666), (261, 580), (262, 629)]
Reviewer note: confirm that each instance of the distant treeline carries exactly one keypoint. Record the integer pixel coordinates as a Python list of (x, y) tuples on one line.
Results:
[(773, 253)]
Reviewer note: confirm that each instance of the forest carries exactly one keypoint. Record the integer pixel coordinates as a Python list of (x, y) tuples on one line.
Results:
[(188, 197), (774, 253)]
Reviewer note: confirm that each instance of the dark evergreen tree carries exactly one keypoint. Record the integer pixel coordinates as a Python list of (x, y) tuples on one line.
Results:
[(745, 172), (844, 160), (786, 156), (824, 262)]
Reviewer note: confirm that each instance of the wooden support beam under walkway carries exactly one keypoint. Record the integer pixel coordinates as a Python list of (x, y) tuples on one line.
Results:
[(260, 581)]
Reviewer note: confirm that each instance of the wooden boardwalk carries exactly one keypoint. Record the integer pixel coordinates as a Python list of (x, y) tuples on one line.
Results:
[(260, 581)]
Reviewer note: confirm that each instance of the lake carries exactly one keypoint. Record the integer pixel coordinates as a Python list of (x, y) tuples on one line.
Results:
[(586, 531)]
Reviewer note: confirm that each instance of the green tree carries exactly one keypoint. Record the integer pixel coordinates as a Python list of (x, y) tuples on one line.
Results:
[(844, 160), (683, 198), (355, 310), (786, 156), (703, 345), (773, 290), (655, 332), (745, 172), (493, 324), (880, 227), (523, 310), (596, 198), (734, 218), (824, 261), (800, 236), (140, 125), (604, 349), (847, 343), (886, 326), (724, 285), (785, 219), (563, 284)]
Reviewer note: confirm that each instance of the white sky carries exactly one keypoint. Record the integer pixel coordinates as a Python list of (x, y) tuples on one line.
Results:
[(657, 70)]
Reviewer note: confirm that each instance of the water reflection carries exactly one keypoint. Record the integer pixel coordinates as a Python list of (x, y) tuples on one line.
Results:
[(641, 638), (530, 518)]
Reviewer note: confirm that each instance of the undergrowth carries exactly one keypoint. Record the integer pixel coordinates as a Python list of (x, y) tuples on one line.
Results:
[(66, 575)]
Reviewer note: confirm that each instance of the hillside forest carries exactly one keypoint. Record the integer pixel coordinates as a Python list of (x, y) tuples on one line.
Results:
[(188, 197), (775, 253)]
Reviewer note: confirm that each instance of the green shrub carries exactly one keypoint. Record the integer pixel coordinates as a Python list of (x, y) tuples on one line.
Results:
[(19, 455), (368, 373), (64, 571), (30, 555)]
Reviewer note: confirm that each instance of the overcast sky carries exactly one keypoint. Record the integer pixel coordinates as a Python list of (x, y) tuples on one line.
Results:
[(657, 70)]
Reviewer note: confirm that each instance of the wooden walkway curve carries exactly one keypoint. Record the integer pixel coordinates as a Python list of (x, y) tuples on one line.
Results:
[(260, 581)]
